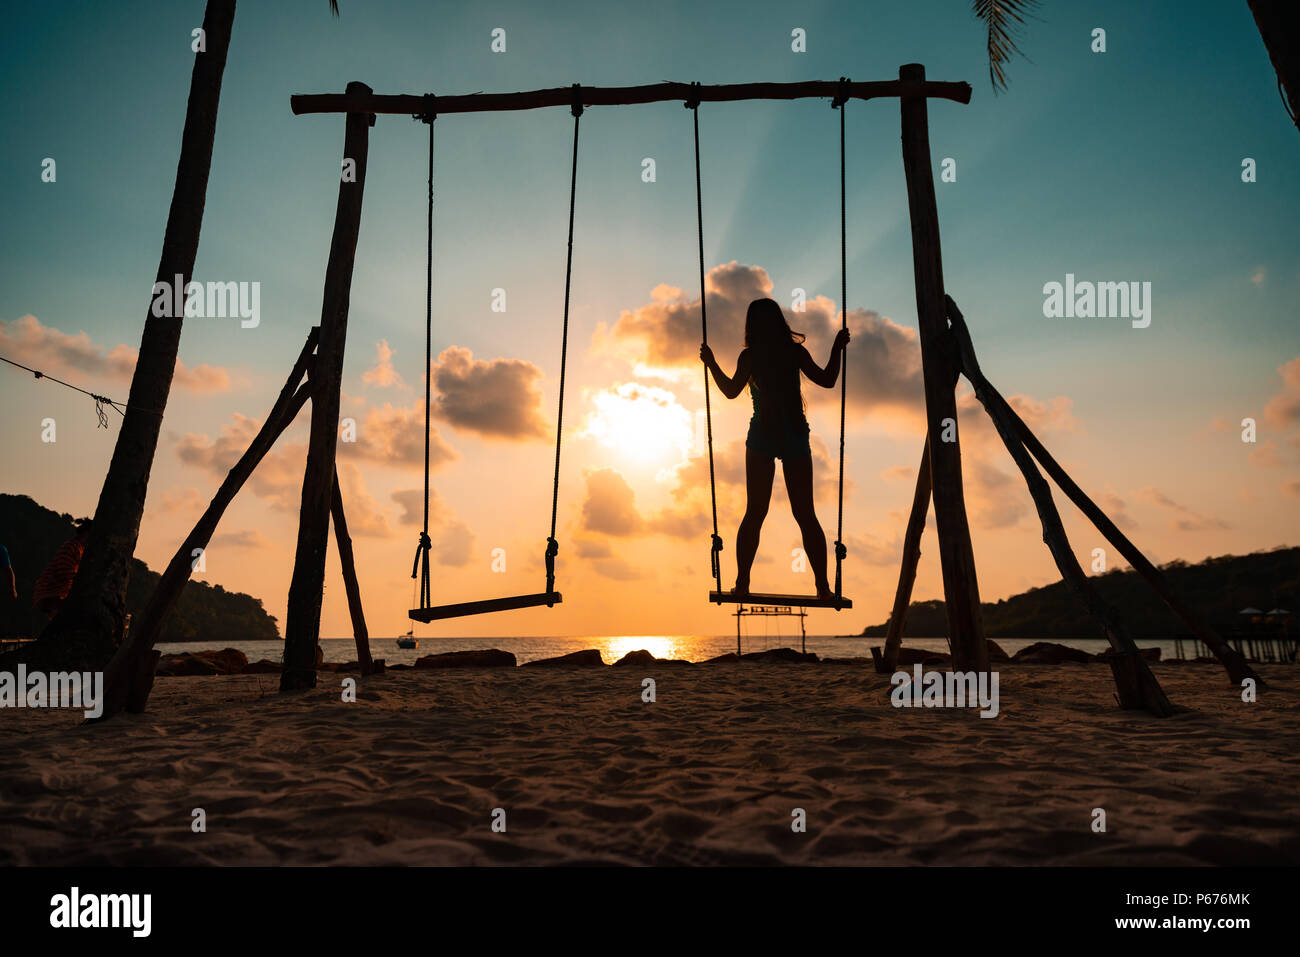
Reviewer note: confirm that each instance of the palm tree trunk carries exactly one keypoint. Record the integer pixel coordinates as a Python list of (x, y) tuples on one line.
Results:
[(1279, 25), (88, 629)]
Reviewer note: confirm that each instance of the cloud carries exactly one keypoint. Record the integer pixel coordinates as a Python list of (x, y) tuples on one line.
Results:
[(1292, 488), (1265, 455), (57, 353), (1117, 510), (453, 542), (1284, 408), (187, 501), (382, 374), (278, 477), (609, 508), (618, 570), (497, 398), (884, 365), (247, 538), (610, 505), (1259, 275), (394, 435), (1183, 519), (363, 514)]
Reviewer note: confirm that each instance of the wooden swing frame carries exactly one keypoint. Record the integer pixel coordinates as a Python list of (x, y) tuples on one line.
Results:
[(946, 352)]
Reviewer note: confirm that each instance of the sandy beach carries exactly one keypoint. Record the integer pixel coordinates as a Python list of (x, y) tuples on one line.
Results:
[(709, 773)]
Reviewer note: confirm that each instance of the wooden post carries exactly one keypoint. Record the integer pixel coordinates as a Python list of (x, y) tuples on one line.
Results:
[(129, 676), (302, 620), (911, 558), (960, 587), (350, 585), (1137, 686)]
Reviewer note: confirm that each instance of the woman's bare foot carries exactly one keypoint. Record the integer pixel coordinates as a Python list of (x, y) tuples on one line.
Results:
[(741, 590), (824, 591)]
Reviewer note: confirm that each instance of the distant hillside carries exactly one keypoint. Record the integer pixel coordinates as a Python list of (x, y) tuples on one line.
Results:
[(206, 613), (1218, 588)]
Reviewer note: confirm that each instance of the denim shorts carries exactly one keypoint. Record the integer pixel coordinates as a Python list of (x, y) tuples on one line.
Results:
[(789, 441)]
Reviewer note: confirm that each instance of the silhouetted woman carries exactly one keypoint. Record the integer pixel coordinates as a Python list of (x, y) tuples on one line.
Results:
[(770, 364)]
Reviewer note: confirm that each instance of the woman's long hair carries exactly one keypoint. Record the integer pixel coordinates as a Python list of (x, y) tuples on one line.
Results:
[(774, 361)]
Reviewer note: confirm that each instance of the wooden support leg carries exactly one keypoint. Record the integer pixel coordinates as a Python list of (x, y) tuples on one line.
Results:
[(349, 568), (960, 587), (911, 558), (1233, 661), (1137, 686), (128, 678), (302, 620)]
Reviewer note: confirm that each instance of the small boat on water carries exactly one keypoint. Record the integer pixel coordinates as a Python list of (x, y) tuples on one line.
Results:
[(408, 640)]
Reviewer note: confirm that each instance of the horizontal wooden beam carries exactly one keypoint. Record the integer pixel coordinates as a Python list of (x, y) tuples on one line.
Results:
[(795, 601), (485, 606), (414, 104)]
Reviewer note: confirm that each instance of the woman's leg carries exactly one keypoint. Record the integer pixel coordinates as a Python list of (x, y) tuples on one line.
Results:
[(759, 471), (799, 486)]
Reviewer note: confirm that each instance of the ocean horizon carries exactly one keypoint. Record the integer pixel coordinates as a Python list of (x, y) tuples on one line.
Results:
[(612, 647)]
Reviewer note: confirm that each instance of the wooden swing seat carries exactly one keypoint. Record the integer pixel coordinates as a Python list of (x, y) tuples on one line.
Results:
[(797, 601), (485, 606)]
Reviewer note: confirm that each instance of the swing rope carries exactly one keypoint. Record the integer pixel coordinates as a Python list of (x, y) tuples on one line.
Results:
[(552, 546), (715, 553), (841, 552), (421, 566)]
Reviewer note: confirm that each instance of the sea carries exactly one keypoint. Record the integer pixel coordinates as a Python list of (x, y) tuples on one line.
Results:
[(613, 647)]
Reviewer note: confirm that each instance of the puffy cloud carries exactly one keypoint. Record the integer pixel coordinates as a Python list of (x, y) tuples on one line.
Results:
[(610, 505), (363, 514), (43, 347), (453, 542), (382, 374), (609, 508), (394, 435), (1284, 408), (884, 359), (497, 398), (278, 477)]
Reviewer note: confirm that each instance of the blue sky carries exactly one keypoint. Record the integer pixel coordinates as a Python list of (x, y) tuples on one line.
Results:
[(1117, 166)]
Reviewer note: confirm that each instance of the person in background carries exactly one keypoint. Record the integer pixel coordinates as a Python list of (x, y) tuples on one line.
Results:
[(8, 583), (56, 581)]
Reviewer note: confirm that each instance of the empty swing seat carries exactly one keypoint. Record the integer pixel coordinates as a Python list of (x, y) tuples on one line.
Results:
[(487, 605), (797, 601)]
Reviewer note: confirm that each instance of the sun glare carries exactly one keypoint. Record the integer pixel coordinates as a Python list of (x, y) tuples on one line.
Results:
[(642, 423)]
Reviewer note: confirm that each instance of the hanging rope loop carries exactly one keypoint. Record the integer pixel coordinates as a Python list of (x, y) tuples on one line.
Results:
[(552, 549), (430, 111), (842, 94)]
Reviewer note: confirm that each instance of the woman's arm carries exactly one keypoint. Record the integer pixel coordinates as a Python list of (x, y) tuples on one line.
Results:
[(730, 386), (827, 377)]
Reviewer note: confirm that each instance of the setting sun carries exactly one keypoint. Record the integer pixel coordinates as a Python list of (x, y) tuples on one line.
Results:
[(644, 423)]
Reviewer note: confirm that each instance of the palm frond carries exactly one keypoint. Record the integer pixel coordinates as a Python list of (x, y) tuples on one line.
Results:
[(1004, 21), (334, 7)]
